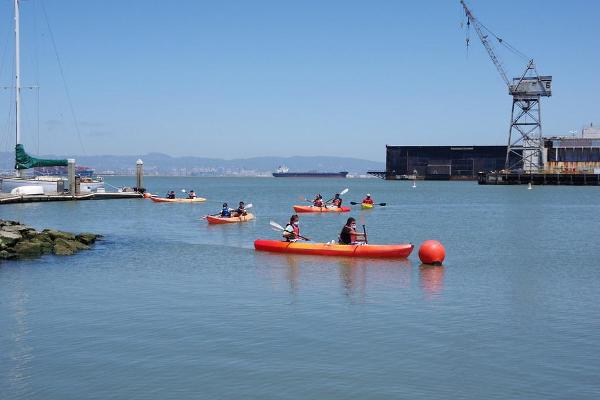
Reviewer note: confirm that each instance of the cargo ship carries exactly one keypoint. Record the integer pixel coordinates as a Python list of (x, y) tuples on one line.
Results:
[(283, 172)]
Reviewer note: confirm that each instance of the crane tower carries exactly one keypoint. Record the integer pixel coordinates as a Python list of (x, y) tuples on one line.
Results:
[(525, 143)]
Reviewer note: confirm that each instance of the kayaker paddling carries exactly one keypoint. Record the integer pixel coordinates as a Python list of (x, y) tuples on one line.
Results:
[(349, 234), (225, 211), (191, 194), (337, 201), (368, 199), (291, 232), (318, 201), (241, 210)]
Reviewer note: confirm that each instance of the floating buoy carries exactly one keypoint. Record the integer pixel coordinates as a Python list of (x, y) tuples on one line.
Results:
[(147, 195), (529, 186), (432, 252), (414, 184)]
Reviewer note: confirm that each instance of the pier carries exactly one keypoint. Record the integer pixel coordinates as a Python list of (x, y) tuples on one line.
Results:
[(12, 199), (538, 178)]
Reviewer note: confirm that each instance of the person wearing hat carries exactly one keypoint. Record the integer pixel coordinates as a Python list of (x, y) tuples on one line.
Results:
[(368, 199)]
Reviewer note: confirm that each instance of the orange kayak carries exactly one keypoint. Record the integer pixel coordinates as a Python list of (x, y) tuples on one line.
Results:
[(313, 209), (165, 200), (212, 219), (326, 249)]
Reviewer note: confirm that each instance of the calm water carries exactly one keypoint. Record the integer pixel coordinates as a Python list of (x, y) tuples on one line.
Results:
[(168, 307)]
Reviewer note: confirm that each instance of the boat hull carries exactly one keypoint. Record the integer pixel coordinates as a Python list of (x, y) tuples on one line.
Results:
[(165, 200), (231, 220), (340, 250), (313, 209), (49, 186), (366, 206)]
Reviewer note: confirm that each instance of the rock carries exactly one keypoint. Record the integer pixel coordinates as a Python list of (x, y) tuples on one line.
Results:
[(10, 238), (17, 228), (88, 238), (54, 234), (5, 255), (63, 246), (28, 249)]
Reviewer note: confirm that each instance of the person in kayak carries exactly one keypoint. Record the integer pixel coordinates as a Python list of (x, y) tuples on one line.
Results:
[(241, 210), (368, 199), (291, 232), (337, 201), (225, 211), (349, 235), (318, 201), (171, 194), (191, 194)]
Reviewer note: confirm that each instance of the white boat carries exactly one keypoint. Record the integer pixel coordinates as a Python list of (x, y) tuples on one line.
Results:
[(23, 161)]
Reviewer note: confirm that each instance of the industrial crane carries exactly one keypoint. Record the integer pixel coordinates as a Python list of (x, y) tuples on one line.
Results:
[(525, 143)]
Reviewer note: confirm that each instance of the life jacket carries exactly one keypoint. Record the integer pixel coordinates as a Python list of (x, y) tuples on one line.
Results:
[(318, 203), (295, 230), (225, 213), (367, 201), (346, 236), (337, 202)]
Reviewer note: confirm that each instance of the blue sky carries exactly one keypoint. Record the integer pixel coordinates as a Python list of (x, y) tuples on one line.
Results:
[(251, 78)]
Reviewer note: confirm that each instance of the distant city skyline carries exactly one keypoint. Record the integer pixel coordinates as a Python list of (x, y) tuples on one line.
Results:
[(267, 78)]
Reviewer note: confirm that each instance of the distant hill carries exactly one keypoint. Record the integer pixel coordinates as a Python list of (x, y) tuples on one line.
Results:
[(163, 164)]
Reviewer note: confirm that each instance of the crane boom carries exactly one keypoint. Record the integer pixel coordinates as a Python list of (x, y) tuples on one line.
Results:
[(483, 37)]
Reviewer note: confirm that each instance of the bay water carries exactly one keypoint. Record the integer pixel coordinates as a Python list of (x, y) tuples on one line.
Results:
[(166, 306)]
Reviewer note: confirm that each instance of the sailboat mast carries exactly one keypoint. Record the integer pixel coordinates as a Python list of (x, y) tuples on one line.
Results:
[(17, 81), (17, 75)]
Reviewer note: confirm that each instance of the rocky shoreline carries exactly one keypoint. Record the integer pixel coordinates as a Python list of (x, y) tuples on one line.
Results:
[(19, 241)]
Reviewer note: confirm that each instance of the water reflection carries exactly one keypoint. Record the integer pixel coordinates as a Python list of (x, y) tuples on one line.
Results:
[(356, 276), (21, 352), (431, 278)]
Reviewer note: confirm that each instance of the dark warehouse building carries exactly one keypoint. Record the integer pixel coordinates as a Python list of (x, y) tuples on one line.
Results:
[(442, 162)]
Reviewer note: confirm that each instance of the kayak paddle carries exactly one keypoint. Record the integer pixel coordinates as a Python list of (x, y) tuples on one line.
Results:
[(375, 204), (281, 228)]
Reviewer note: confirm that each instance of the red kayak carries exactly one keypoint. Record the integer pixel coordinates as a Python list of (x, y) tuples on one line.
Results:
[(326, 249), (314, 209)]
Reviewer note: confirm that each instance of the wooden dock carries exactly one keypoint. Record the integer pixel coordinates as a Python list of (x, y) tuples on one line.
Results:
[(13, 199), (513, 178)]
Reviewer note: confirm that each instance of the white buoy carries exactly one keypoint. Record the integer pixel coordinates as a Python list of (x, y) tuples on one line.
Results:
[(414, 184), (529, 186)]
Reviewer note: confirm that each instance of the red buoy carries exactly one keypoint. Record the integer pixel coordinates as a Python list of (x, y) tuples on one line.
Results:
[(432, 252)]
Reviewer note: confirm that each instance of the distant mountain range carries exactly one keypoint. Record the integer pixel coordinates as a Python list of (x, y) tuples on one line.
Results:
[(163, 164)]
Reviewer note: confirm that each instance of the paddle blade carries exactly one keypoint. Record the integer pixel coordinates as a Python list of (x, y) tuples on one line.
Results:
[(249, 205), (383, 204), (183, 190), (276, 225), (343, 192), (353, 203)]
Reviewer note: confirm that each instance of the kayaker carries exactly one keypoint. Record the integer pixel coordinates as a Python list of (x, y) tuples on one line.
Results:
[(368, 199), (191, 194), (171, 195), (318, 201), (349, 235), (225, 211), (292, 229), (337, 201), (241, 210)]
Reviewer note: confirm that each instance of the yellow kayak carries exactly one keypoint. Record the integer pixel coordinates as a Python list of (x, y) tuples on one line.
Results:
[(366, 206)]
